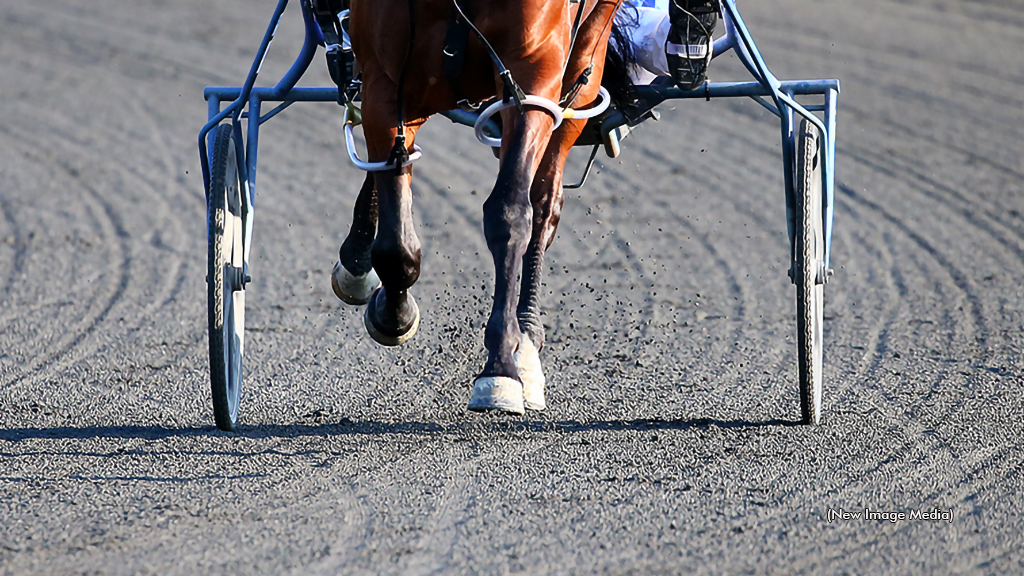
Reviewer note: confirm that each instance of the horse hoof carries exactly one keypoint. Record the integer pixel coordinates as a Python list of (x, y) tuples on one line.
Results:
[(497, 393), (385, 336), (530, 372), (355, 290)]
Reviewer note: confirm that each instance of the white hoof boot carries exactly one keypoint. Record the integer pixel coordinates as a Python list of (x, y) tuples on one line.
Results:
[(530, 372), (497, 393), (355, 290)]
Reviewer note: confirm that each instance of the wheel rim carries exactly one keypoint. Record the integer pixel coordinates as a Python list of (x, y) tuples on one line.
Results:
[(234, 291)]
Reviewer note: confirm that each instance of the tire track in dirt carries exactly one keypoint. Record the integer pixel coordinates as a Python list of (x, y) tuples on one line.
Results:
[(169, 224), (154, 155), (728, 174), (795, 496), (40, 368), (73, 28), (69, 351), (878, 336), (608, 304), (716, 357), (924, 450), (437, 524), (18, 245), (861, 233), (971, 465), (621, 216), (23, 244), (957, 277), (83, 38), (896, 166)]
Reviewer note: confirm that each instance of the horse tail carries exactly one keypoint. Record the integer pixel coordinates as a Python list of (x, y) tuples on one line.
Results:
[(621, 58)]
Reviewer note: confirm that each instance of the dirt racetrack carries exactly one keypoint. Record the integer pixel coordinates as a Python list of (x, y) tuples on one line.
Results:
[(669, 445)]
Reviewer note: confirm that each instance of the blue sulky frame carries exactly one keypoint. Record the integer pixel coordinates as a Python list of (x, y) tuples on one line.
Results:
[(782, 103)]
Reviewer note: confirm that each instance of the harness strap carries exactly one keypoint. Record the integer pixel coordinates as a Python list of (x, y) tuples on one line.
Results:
[(512, 91), (399, 155), (582, 80), (456, 40), (576, 28)]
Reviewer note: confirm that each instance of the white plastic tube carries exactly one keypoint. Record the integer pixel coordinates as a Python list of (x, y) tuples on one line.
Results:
[(602, 105), (350, 144), (556, 111)]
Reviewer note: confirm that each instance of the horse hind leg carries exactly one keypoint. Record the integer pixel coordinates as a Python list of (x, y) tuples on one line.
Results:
[(508, 216), (353, 278)]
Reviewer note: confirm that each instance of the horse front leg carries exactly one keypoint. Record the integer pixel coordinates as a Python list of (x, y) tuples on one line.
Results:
[(353, 278), (391, 316), (508, 215), (546, 197)]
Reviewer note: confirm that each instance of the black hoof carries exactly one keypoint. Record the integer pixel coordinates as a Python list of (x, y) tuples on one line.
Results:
[(383, 334)]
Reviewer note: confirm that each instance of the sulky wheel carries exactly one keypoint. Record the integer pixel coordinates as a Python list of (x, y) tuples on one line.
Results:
[(809, 267), (225, 280)]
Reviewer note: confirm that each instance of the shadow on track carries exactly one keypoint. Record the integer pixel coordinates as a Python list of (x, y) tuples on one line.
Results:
[(346, 427)]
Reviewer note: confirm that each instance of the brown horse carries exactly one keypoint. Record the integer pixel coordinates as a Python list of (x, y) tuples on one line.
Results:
[(533, 38)]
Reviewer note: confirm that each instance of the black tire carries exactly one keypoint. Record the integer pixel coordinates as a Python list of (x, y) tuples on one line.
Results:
[(225, 287), (809, 256)]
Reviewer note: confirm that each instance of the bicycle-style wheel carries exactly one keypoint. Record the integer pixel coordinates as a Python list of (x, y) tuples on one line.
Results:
[(225, 284), (809, 267)]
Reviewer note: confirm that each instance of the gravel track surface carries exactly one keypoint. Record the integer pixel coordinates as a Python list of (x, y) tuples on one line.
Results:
[(670, 443)]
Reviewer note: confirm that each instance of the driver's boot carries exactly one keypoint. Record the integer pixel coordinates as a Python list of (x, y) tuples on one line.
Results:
[(689, 45)]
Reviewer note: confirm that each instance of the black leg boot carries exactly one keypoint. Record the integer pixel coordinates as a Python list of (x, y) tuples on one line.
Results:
[(689, 40)]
